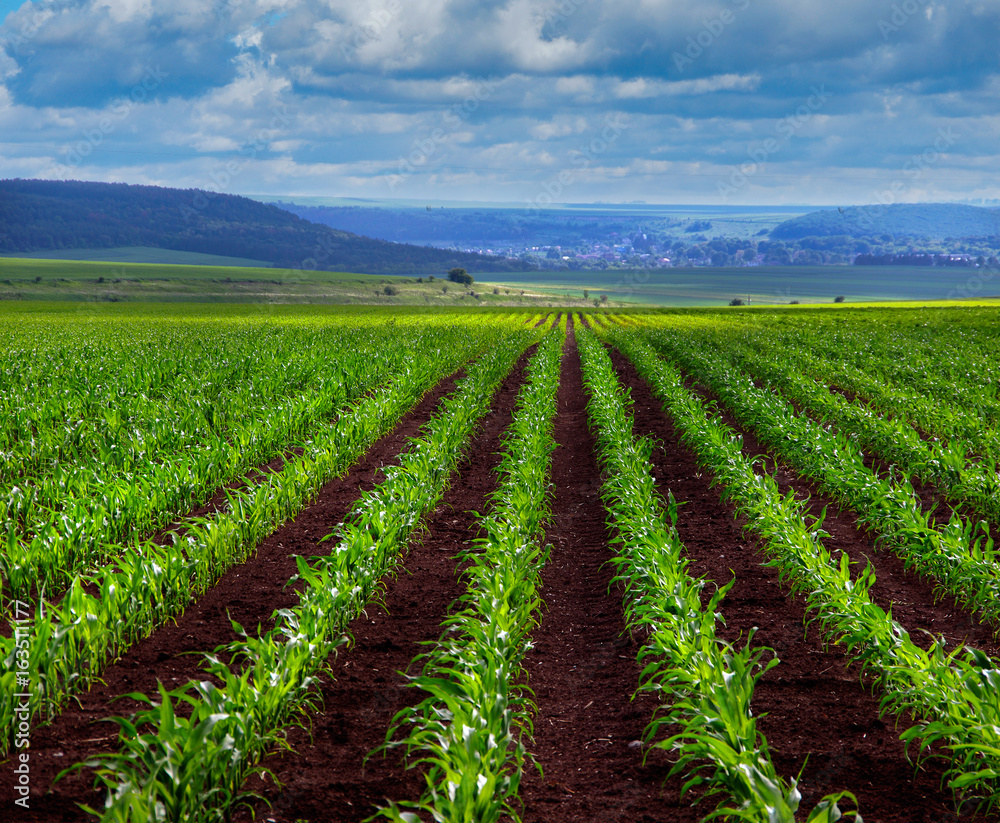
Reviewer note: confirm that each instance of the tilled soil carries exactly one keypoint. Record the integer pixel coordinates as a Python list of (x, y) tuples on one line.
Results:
[(583, 666)]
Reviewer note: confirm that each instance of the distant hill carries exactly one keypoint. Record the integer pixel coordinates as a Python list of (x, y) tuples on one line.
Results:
[(47, 215), (412, 225), (919, 220)]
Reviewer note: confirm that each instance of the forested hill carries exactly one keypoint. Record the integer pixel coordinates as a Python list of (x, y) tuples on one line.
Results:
[(920, 220), (44, 215)]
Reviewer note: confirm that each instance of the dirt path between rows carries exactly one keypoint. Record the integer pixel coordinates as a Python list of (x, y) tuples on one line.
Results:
[(815, 708), (582, 667), (249, 593)]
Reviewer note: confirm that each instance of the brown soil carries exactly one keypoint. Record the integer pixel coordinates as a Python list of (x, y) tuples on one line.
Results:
[(933, 499), (811, 705), (912, 599)]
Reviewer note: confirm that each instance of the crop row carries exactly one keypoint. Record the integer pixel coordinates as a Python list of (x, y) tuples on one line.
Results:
[(891, 439), (79, 515), (705, 685), (945, 355), (467, 731), (83, 506), (953, 696), (190, 766), (859, 354)]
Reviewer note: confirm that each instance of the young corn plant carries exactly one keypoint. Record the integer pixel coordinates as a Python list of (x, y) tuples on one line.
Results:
[(973, 483), (705, 684), (468, 733)]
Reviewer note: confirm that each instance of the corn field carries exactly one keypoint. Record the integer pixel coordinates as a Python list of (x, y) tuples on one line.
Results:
[(370, 564)]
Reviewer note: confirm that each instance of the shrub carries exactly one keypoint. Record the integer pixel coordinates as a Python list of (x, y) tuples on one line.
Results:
[(390, 290), (736, 301), (838, 299), (459, 275)]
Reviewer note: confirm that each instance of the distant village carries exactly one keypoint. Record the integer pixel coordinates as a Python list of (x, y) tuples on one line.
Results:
[(639, 251)]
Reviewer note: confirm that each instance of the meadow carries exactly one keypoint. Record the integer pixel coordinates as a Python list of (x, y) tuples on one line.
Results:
[(348, 563), (88, 281), (761, 285), (204, 278)]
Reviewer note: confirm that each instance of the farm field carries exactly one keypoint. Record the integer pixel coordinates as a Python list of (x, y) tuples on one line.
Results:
[(340, 563), (764, 285), (136, 278), (152, 275)]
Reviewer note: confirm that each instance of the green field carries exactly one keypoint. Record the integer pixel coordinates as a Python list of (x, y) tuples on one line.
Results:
[(155, 457), (768, 285), (142, 254), (35, 279), (31, 279)]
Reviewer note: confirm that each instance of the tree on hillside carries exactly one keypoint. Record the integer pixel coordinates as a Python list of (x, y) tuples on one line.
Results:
[(458, 275)]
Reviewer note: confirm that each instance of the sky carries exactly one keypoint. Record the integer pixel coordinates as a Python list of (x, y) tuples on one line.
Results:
[(531, 102)]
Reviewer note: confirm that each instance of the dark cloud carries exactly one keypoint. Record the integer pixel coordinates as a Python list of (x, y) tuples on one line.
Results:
[(89, 54)]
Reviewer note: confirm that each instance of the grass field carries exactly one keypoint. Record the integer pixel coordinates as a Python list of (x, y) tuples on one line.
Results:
[(771, 285), (76, 280), (142, 254), (36, 279)]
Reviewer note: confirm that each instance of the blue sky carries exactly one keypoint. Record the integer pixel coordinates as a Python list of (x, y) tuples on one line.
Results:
[(722, 102)]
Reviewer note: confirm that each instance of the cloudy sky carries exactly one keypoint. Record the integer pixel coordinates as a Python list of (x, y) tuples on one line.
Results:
[(528, 101)]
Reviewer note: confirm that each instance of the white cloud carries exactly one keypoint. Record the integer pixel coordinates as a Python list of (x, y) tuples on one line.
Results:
[(123, 11)]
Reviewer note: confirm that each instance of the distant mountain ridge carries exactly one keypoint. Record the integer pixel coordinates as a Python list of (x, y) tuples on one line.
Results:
[(44, 215), (920, 220)]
